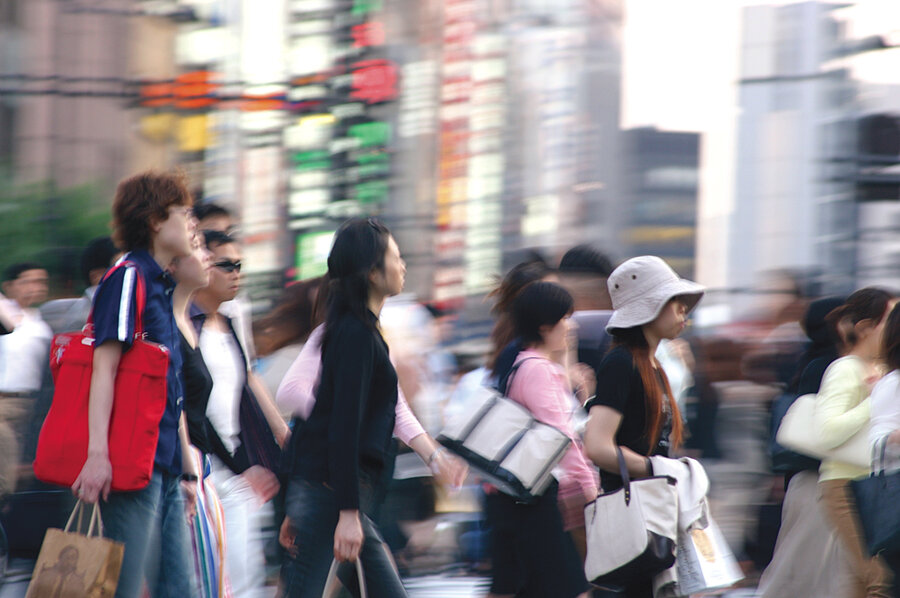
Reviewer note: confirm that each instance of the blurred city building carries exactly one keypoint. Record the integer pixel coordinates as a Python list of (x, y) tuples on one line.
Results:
[(659, 196), (788, 213), (68, 70), (812, 157), (475, 129)]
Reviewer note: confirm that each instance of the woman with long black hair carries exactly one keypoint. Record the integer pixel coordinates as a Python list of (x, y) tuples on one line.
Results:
[(339, 458)]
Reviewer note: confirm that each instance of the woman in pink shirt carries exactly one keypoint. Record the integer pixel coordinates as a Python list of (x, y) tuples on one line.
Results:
[(531, 552)]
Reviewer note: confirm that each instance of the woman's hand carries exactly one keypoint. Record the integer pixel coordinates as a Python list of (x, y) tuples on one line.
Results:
[(348, 536), (286, 536), (263, 482), (94, 480), (449, 470), (583, 380), (189, 490), (894, 437)]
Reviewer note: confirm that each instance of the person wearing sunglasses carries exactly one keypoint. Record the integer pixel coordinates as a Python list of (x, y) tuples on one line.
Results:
[(241, 422)]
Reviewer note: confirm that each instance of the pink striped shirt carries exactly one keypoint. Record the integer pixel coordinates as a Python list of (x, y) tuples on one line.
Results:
[(297, 391)]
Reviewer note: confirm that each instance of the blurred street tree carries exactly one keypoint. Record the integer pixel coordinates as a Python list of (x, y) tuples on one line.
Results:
[(51, 226)]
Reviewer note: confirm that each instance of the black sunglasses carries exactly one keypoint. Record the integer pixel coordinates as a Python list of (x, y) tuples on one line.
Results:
[(228, 266)]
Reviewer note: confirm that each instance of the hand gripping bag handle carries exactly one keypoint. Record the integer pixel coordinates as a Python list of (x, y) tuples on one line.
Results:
[(96, 522)]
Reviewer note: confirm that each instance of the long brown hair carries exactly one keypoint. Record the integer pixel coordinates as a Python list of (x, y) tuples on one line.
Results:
[(291, 320), (509, 287), (655, 386)]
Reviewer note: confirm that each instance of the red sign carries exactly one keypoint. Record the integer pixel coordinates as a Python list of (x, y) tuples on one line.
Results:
[(367, 34), (374, 81)]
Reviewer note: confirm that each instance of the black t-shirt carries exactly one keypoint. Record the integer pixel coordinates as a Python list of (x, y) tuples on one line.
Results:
[(619, 387)]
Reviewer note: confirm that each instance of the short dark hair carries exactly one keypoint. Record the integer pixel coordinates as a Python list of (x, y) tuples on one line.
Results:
[(207, 209), (891, 339), (97, 254), (870, 303), (539, 304), (16, 270), (143, 200), (216, 238), (585, 259)]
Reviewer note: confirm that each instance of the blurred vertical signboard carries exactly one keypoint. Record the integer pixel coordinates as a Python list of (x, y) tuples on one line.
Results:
[(341, 96)]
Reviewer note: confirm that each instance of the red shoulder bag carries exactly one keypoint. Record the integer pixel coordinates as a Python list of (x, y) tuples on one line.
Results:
[(139, 400)]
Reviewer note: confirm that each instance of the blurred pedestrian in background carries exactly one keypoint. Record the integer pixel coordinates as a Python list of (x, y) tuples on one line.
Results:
[(502, 333), (885, 419), (530, 551), (65, 315), (634, 409), (842, 410), (23, 360), (583, 271), (808, 557), (22, 352), (281, 334)]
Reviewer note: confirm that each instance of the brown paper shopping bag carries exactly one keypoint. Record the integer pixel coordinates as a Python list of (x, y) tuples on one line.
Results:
[(76, 565)]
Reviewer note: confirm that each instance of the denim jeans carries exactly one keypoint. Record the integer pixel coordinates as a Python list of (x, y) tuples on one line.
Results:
[(313, 514), (152, 524)]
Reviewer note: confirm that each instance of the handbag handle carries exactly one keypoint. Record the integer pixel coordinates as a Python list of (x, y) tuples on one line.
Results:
[(332, 577), (623, 471)]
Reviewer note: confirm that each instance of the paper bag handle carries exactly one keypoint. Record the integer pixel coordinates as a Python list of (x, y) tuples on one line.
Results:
[(95, 520), (332, 577)]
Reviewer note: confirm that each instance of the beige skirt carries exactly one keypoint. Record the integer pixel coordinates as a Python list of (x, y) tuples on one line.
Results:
[(809, 560)]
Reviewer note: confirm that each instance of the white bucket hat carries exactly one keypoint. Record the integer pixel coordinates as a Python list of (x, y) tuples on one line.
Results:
[(642, 286)]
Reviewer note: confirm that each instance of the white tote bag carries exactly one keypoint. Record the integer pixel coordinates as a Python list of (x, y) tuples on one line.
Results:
[(797, 433), (632, 531), (505, 443)]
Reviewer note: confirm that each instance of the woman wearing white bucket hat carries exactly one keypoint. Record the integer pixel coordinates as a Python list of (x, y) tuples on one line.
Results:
[(634, 408)]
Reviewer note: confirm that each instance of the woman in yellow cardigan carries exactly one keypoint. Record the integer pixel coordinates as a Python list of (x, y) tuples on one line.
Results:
[(842, 410)]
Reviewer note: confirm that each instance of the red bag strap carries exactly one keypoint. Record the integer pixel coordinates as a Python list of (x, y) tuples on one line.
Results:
[(141, 296)]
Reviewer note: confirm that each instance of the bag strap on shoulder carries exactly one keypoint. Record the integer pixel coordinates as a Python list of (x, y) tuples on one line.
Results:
[(140, 292), (512, 373)]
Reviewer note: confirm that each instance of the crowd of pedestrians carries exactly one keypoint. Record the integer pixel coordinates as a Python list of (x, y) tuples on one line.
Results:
[(301, 411)]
